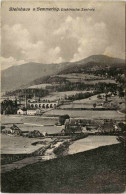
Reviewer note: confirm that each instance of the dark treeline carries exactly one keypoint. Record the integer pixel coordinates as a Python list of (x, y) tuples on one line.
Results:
[(29, 92), (93, 67), (69, 86), (99, 87), (80, 96), (9, 107), (112, 71)]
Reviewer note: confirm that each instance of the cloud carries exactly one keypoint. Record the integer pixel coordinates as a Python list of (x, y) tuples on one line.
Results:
[(8, 62), (93, 42), (91, 37), (115, 51), (49, 37), (20, 39)]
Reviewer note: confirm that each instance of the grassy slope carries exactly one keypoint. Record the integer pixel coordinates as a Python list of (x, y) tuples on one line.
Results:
[(100, 170)]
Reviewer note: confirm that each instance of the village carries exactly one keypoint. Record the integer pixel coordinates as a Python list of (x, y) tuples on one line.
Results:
[(63, 89), (45, 107), (62, 117)]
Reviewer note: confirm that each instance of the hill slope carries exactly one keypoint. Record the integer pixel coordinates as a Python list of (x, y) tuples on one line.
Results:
[(17, 76), (95, 62), (34, 73)]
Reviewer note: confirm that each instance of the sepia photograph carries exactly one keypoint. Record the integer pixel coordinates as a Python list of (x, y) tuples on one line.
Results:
[(63, 127)]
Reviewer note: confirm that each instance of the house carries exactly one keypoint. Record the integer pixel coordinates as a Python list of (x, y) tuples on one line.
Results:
[(100, 104), (90, 127), (15, 130), (72, 122), (6, 131), (34, 111), (22, 111), (84, 129), (34, 133), (108, 126), (72, 126)]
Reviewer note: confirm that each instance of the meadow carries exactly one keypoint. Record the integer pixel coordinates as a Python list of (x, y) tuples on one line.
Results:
[(42, 129), (87, 114), (43, 86), (18, 144), (91, 142), (38, 120), (80, 75), (84, 103), (76, 105), (86, 78)]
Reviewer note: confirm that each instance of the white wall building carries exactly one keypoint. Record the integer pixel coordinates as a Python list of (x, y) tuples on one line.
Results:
[(21, 112), (33, 112)]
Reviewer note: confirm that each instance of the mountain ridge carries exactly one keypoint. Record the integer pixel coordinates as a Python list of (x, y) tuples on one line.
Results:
[(16, 77)]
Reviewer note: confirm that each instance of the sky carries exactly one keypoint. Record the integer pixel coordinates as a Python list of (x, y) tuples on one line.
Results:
[(55, 37)]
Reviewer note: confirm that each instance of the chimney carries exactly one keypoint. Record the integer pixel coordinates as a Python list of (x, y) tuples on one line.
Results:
[(25, 100)]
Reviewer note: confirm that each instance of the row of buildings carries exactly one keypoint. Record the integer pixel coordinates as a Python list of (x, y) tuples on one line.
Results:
[(36, 107), (33, 111), (78, 126)]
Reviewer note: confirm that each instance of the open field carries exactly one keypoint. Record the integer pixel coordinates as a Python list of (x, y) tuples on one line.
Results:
[(80, 75), (88, 102), (19, 145), (31, 123), (38, 120), (92, 82), (76, 105), (101, 170), (75, 77), (94, 99), (84, 103), (42, 129), (64, 148), (91, 142), (88, 114), (42, 86), (117, 102), (86, 78)]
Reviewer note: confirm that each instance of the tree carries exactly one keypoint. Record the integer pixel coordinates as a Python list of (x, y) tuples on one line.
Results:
[(99, 96), (94, 105), (62, 119), (106, 97), (8, 107), (121, 92), (122, 126)]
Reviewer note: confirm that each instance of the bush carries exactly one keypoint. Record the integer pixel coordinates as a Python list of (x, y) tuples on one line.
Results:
[(62, 119), (34, 133)]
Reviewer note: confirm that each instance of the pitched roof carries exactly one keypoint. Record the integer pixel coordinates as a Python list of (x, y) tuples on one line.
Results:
[(23, 109)]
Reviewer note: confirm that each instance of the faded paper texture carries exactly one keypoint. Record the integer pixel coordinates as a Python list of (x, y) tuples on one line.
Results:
[(63, 97)]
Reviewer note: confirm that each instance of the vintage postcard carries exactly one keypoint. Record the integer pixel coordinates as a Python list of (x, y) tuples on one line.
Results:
[(63, 97)]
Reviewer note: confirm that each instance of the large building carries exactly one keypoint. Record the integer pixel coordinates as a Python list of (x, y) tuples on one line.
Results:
[(22, 111), (36, 107), (34, 112), (43, 105)]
